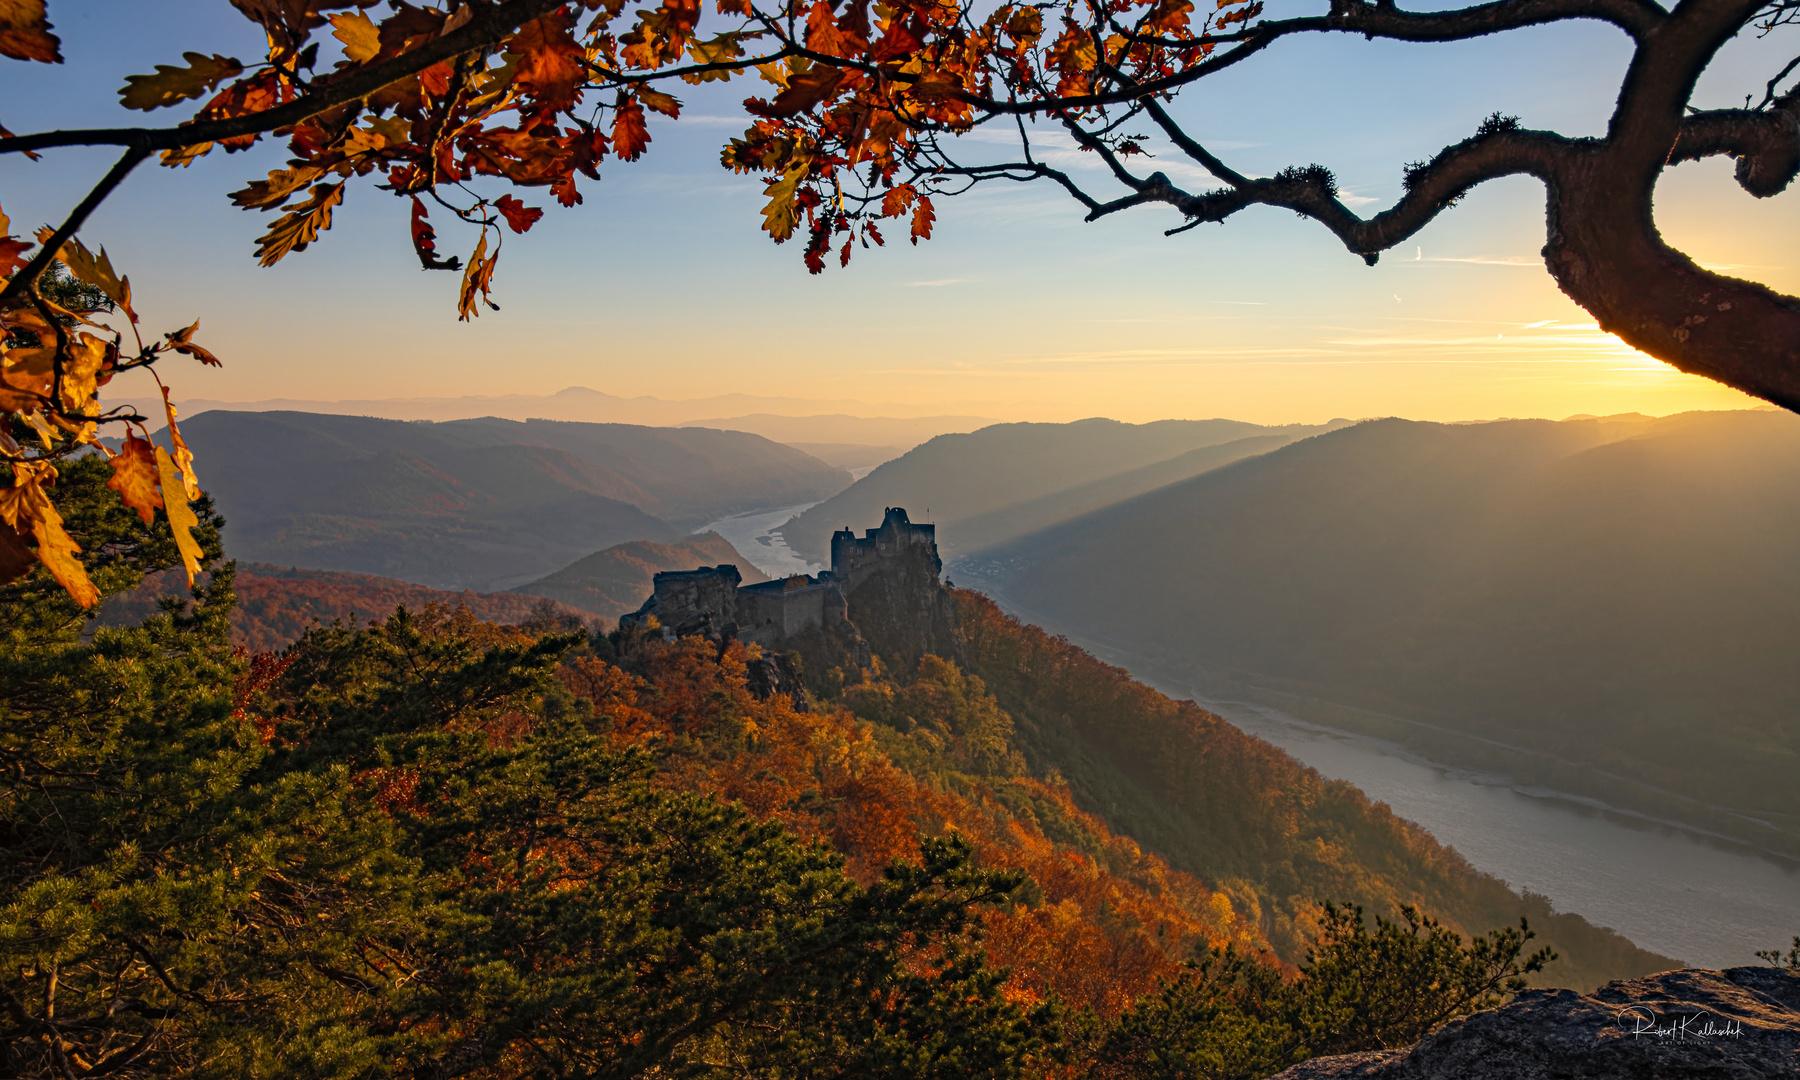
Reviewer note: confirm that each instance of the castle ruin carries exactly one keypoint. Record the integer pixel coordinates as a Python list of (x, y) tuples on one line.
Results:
[(883, 584)]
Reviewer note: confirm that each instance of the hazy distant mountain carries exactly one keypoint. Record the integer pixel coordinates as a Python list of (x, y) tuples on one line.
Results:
[(904, 433), (1609, 606), (483, 504), (850, 456), (1045, 471), (618, 580), (592, 406)]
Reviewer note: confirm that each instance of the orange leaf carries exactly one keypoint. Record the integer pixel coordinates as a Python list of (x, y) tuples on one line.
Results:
[(923, 216), (549, 61), (630, 136), (897, 201), (136, 479), (806, 90), (519, 217), (16, 557), (182, 520), (424, 239), (25, 32), (182, 342), (822, 33), (661, 102)]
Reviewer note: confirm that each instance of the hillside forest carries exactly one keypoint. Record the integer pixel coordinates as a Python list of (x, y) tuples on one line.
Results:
[(432, 845)]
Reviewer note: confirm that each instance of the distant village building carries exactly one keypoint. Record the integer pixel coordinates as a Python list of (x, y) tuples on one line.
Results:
[(897, 557)]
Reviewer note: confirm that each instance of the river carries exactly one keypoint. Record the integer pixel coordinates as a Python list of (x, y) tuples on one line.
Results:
[(750, 534), (1705, 905)]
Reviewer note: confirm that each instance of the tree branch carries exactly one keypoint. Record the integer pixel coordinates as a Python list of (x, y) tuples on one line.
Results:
[(1766, 144), (490, 23)]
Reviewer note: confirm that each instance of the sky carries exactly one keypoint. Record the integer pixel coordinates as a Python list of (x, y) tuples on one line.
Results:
[(662, 284)]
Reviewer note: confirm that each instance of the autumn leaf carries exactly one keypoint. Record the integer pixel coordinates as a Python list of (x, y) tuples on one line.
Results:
[(182, 520), (805, 91), (27, 509), (549, 61), (281, 183), (16, 557), (519, 217), (25, 32), (923, 216), (780, 216), (630, 136), (300, 227), (184, 458), (897, 201), (479, 277), (96, 270), (45, 433), (12, 249), (136, 477), (661, 102), (173, 84), (182, 342), (360, 36), (424, 239), (87, 357), (822, 33)]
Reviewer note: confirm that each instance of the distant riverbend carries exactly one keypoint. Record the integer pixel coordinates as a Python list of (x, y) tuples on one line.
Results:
[(753, 536), (1663, 889)]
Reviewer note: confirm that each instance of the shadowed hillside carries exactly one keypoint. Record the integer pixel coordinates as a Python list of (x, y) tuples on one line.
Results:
[(1047, 472), (484, 504), (276, 605), (618, 580), (1607, 606), (1241, 814)]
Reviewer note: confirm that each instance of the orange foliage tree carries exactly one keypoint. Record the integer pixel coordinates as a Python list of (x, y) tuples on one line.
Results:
[(852, 130), (1104, 920)]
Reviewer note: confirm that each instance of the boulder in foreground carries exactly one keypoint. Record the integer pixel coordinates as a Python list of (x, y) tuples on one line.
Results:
[(1691, 1024)]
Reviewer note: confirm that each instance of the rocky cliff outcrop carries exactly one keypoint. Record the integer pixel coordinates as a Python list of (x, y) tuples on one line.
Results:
[(1692, 1024)]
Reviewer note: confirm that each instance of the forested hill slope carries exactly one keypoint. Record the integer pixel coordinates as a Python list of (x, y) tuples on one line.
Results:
[(1606, 607), (1241, 814), (483, 504), (277, 604), (1017, 477)]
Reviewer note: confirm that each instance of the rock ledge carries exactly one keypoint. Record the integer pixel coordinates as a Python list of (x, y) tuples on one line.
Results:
[(1691, 1024)]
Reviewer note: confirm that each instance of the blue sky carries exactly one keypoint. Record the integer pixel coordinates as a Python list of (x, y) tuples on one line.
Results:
[(662, 284)]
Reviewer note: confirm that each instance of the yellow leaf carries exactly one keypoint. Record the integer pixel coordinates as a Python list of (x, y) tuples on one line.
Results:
[(180, 157), (781, 215), (173, 84), (184, 458), (26, 508), (182, 520), (136, 477), (293, 231), (361, 38), (96, 270), (81, 370), (46, 433)]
